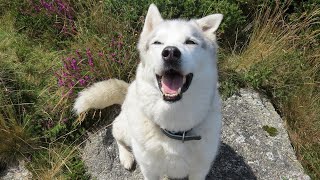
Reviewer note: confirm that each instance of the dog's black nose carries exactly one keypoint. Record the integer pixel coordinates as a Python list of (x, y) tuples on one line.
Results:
[(171, 53)]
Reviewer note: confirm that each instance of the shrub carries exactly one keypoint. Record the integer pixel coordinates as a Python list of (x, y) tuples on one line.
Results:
[(132, 11), (84, 67), (50, 22)]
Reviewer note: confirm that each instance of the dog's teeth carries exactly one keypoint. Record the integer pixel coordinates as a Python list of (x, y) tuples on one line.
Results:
[(170, 95), (184, 79), (179, 90)]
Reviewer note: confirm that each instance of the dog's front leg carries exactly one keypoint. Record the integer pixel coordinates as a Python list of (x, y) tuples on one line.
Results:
[(120, 133), (200, 174), (149, 173)]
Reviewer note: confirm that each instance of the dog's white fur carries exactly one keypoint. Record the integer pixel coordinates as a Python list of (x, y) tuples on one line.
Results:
[(144, 111)]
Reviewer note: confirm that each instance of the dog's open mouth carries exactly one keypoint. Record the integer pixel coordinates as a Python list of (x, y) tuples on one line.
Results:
[(173, 84)]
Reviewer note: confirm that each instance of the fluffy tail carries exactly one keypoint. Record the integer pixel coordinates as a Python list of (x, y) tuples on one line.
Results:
[(101, 95)]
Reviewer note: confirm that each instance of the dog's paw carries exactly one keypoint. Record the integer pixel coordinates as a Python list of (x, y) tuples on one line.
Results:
[(126, 159)]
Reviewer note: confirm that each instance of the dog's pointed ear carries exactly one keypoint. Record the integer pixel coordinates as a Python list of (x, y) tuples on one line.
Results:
[(153, 18), (210, 24)]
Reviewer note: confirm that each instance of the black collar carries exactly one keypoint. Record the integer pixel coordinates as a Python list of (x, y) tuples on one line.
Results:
[(181, 135)]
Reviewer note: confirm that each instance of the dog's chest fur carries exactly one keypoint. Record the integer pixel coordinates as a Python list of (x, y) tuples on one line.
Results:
[(157, 151), (172, 157)]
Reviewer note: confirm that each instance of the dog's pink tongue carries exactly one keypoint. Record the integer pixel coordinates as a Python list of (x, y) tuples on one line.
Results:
[(171, 83)]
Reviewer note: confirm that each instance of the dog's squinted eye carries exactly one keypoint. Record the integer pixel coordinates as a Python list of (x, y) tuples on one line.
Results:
[(156, 42), (188, 41)]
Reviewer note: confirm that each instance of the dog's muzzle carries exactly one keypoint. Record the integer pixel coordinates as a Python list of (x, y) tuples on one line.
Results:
[(172, 83)]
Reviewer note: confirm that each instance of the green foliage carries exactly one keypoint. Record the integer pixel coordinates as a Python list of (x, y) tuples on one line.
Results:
[(258, 75), (133, 11), (41, 23), (230, 82), (282, 61), (77, 169), (272, 131)]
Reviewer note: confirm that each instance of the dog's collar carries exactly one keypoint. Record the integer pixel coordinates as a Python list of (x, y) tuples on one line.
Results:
[(181, 135)]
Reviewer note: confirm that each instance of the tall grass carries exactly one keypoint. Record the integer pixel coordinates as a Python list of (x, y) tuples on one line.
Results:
[(17, 142), (58, 161), (28, 93), (30, 67), (282, 59)]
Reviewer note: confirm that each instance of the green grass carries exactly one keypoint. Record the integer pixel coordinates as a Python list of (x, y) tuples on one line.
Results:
[(282, 61), (28, 67), (17, 142), (58, 161)]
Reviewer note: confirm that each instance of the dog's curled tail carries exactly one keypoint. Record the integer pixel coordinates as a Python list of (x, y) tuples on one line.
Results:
[(100, 95)]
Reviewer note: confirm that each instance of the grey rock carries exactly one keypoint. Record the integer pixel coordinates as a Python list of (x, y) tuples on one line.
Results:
[(16, 172), (269, 157), (247, 151), (100, 154)]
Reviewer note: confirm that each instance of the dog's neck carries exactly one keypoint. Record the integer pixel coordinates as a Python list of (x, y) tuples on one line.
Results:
[(181, 136), (186, 135)]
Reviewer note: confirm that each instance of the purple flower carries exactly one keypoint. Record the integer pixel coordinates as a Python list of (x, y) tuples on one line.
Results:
[(60, 82), (82, 82), (89, 52), (74, 64), (50, 7), (64, 121), (65, 74), (90, 58), (37, 8), (100, 54), (71, 84), (65, 65), (78, 53), (61, 6), (87, 78), (70, 92), (69, 16), (42, 2), (90, 62)]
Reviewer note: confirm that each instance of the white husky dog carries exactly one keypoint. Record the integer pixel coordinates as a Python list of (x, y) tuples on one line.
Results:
[(170, 119)]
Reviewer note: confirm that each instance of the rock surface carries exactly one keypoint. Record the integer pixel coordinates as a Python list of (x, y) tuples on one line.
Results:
[(248, 150), (245, 118), (16, 172)]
